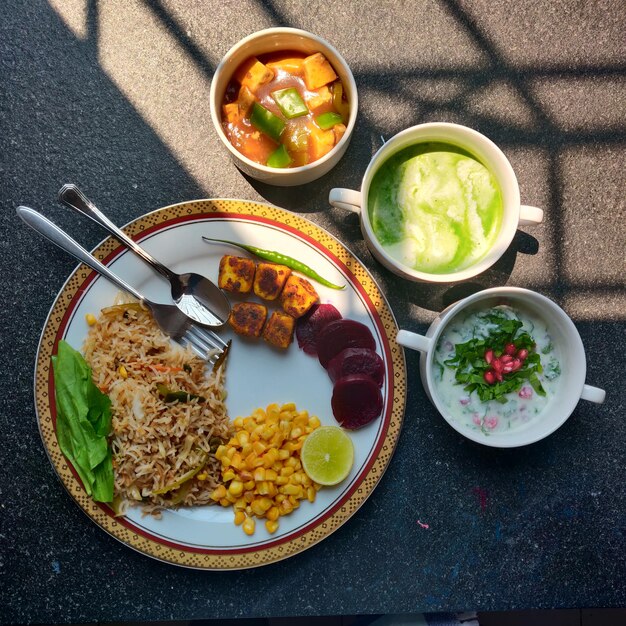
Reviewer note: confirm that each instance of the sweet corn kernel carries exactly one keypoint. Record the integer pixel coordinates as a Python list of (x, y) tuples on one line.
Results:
[(91, 319), (218, 493), (314, 422), (248, 526), (273, 513), (235, 488), (240, 517), (202, 476), (121, 370), (271, 525)]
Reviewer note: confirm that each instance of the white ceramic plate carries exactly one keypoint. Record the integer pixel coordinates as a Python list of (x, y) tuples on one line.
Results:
[(257, 375)]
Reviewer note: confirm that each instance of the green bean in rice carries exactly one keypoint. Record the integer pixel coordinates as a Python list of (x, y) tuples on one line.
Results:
[(162, 451)]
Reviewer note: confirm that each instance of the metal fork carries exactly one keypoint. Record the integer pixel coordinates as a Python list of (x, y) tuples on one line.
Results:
[(205, 343)]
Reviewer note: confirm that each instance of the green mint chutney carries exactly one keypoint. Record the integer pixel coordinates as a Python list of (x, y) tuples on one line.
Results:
[(435, 208)]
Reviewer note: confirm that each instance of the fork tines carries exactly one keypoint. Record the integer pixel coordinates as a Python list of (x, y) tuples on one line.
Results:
[(205, 343)]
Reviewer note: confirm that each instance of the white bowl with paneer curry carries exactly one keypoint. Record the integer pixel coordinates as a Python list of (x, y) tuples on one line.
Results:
[(284, 104)]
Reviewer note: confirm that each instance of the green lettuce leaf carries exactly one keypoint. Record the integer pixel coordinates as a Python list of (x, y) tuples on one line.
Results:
[(83, 422)]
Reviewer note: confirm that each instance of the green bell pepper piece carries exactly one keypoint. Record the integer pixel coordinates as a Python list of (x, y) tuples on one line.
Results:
[(279, 158), (290, 102), (265, 121), (328, 120)]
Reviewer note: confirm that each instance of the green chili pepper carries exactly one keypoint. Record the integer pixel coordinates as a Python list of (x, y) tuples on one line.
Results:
[(281, 259), (265, 121), (328, 120), (279, 158), (290, 102)]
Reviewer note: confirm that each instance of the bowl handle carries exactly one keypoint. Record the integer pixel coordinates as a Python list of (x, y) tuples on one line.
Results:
[(529, 215), (414, 341), (593, 394), (347, 199)]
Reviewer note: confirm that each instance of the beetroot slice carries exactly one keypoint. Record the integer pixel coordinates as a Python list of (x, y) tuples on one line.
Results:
[(357, 361), (309, 326), (341, 334), (356, 401)]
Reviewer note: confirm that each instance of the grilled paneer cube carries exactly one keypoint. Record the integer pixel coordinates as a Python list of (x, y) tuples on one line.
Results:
[(236, 274), (247, 318), (269, 280), (279, 329), (298, 296)]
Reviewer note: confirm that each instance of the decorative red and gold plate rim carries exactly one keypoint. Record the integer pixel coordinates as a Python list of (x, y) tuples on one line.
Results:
[(310, 534)]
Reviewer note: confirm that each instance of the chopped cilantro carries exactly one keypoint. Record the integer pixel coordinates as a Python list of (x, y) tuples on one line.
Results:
[(470, 365)]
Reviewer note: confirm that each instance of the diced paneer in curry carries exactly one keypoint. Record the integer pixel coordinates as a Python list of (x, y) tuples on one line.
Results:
[(245, 100), (279, 329), (231, 113), (298, 296), (269, 280), (319, 98), (248, 318), (252, 74), (236, 274), (340, 131), (290, 65), (321, 142), (318, 71)]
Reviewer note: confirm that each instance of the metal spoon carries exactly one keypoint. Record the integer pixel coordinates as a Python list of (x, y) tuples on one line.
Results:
[(195, 295)]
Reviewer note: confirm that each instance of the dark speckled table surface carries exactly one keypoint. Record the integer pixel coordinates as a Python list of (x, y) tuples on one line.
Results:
[(113, 95)]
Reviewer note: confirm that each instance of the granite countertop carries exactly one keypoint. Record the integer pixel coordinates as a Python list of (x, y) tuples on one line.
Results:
[(114, 96)]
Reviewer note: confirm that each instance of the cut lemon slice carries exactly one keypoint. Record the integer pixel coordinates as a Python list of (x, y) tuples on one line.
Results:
[(327, 455)]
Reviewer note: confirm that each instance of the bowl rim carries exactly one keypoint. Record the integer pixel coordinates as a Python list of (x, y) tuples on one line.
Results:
[(528, 436), (215, 108)]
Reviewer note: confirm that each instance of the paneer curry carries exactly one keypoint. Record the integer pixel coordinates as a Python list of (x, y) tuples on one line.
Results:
[(285, 109)]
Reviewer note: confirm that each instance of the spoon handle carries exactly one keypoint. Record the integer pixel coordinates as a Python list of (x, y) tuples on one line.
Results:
[(73, 197), (59, 237)]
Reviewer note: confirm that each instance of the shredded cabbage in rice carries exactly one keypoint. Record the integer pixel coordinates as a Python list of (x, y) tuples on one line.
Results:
[(156, 443)]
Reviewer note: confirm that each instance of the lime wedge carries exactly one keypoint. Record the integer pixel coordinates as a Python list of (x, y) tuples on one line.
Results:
[(327, 455)]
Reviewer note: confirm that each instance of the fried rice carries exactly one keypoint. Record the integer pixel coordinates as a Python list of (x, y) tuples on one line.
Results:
[(168, 407)]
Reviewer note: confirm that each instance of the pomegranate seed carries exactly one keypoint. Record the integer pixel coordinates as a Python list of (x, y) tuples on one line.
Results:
[(496, 364), (498, 376), (505, 359), (508, 368), (522, 354), (516, 364), (510, 349), (489, 356), (490, 377)]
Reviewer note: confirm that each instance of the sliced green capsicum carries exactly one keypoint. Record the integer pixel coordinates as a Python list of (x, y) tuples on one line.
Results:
[(279, 158), (328, 120), (265, 121), (290, 102)]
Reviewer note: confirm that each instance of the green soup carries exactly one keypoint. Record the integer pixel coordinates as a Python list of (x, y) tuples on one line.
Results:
[(435, 208)]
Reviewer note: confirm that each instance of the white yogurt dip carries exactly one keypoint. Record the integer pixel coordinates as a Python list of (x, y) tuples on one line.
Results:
[(515, 409)]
